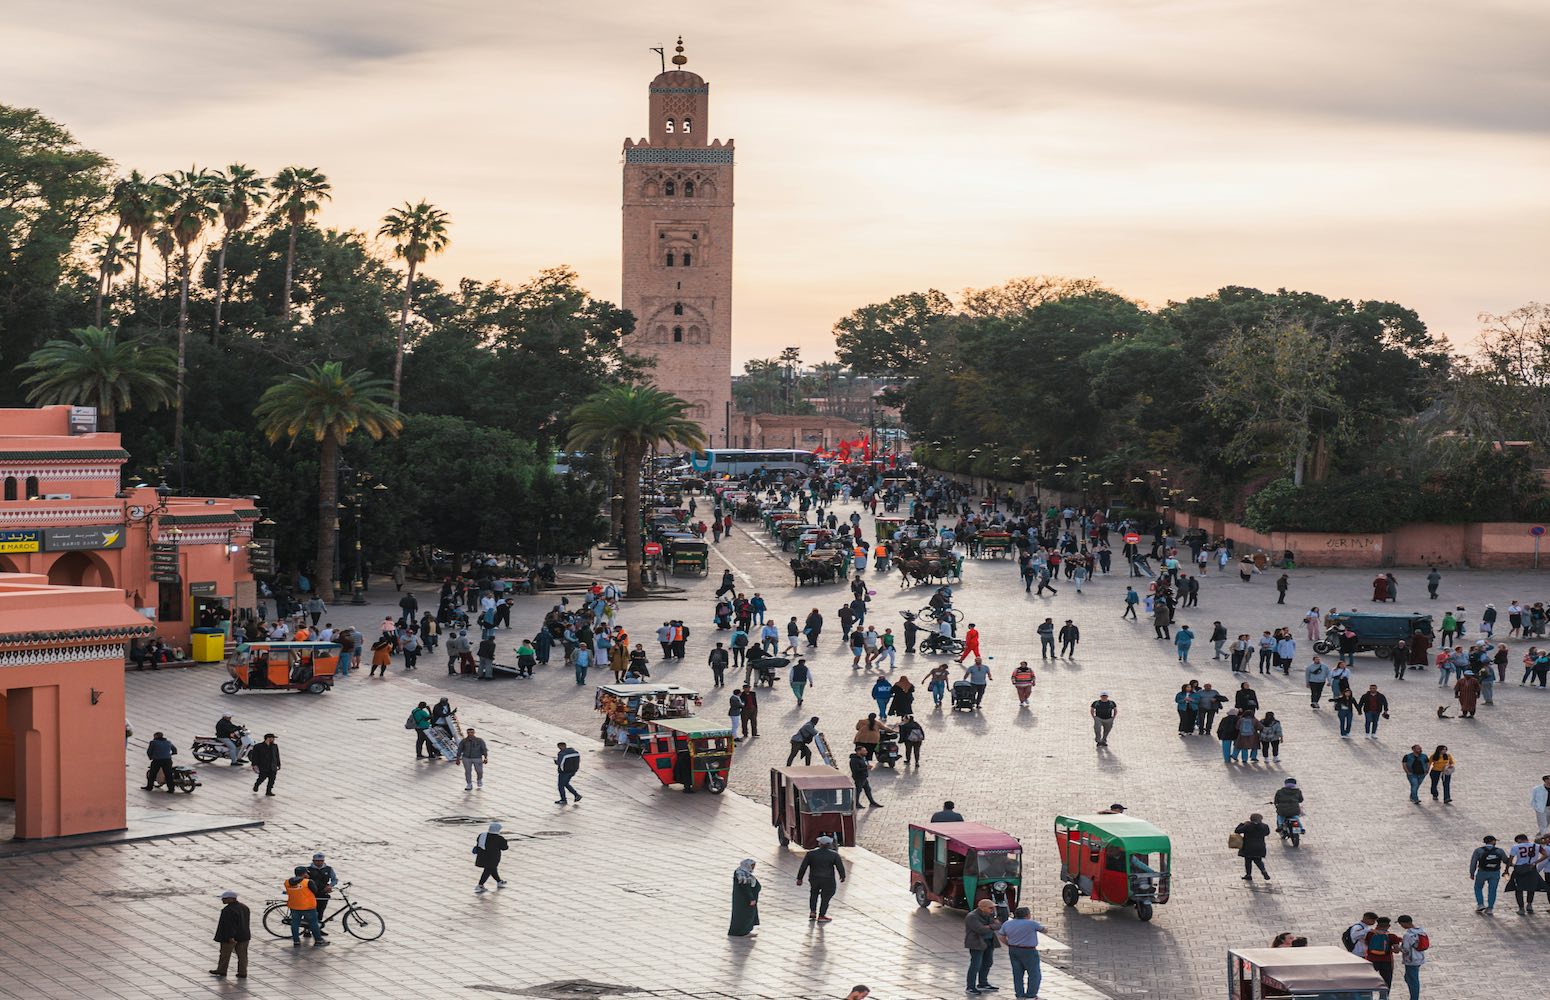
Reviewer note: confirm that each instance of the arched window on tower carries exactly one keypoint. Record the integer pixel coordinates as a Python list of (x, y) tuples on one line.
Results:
[(678, 310), (10, 487), (32, 487), (670, 127), (669, 189), (670, 258), (688, 189), (688, 125), (678, 334), (686, 260)]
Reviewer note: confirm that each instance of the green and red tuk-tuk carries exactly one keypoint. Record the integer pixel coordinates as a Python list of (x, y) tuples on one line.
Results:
[(1114, 859), (1319, 973), (959, 864), (808, 802), (628, 709), (694, 753)]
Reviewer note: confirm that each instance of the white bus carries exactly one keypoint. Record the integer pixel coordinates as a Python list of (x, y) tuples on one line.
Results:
[(739, 462)]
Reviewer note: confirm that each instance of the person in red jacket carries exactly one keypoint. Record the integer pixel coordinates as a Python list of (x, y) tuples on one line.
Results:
[(971, 643)]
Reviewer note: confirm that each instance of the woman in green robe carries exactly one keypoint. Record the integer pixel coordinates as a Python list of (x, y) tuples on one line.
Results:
[(745, 900)]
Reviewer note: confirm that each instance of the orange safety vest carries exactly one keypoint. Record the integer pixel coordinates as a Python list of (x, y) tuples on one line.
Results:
[(860, 552), (678, 633), (300, 897), (881, 552)]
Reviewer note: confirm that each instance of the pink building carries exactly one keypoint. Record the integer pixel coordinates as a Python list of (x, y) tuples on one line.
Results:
[(65, 516)]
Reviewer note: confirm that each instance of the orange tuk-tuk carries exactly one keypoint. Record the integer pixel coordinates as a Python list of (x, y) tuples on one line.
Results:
[(282, 666), (809, 802)]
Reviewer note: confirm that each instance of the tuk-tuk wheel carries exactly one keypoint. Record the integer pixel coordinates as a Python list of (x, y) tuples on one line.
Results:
[(1070, 893), (716, 784), (922, 899), (317, 687), (1144, 911), (1382, 652), (229, 687), (781, 836), (1321, 647)]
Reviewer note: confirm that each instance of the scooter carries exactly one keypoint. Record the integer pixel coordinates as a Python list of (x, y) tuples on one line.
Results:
[(212, 748), (183, 777), (1291, 828)]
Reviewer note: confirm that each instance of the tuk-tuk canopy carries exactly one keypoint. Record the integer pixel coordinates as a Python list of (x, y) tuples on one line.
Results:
[(646, 690), (288, 646), (814, 776), (1322, 969), (1139, 836), (971, 836), (694, 728)]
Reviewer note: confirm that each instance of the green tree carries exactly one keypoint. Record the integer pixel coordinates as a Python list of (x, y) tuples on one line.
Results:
[(98, 369), (417, 231), (299, 192), (190, 208), (325, 404), (138, 202), (629, 421), (897, 337), (239, 191), (110, 264)]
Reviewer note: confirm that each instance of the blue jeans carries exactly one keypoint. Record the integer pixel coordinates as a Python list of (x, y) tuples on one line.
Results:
[(1415, 786), (1413, 980), (343, 670), (1046, 646), (1226, 751), (308, 917), (1370, 721), (937, 689), (1482, 879), (979, 966), (564, 782), (1026, 975), (581, 673), (1346, 717), (1184, 653)]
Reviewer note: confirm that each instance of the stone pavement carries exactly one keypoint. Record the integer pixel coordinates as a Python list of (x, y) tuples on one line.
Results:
[(630, 888), (1367, 847)]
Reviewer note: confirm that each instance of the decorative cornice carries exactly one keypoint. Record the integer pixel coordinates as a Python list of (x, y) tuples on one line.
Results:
[(94, 454), (100, 633), (65, 654), (39, 513), (680, 90)]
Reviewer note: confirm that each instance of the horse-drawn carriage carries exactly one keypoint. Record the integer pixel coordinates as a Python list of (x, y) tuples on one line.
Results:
[(993, 545), (822, 566), (929, 567), (687, 555)]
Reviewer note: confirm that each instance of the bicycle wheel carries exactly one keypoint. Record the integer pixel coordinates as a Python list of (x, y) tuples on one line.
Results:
[(277, 920), (362, 923)]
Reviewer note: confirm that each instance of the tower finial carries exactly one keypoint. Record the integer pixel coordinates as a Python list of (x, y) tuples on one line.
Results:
[(679, 58)]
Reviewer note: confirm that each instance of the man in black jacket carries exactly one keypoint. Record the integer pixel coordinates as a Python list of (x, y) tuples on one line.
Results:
[(160, 751), (860, 773), (265, 758), (822, 865), (232, 931)]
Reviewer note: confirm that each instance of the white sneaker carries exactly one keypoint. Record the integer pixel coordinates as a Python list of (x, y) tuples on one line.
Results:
[(480, 888), (481, 784), (468, 788)]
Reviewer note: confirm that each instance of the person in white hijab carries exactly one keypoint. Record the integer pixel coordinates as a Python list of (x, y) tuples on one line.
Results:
[(745, 900), (488, 848)]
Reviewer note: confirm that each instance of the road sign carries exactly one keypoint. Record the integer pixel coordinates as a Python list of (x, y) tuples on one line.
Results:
[(1537, 530), (653, 548), (1132, 538)]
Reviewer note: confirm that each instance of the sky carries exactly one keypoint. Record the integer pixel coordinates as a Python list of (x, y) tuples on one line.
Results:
[(1369, 150)]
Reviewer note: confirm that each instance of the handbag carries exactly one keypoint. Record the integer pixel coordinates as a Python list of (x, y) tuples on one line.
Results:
[(1235, 841)]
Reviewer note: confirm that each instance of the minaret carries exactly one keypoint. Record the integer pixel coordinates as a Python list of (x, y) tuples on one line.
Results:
[(677, 265)]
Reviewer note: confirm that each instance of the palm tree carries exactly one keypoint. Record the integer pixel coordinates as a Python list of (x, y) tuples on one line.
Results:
[(420, 230), (138, 202), (239, 191), (630, 420), (110, 265), (190, 208), (325, 404), (298, 194), (98, 369)]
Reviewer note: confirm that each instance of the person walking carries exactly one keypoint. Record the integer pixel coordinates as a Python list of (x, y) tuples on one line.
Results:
[(1539, 801), (821, 867), (1316, 674), (979, 677), (1023, 681), (718, 660), (488, 848), (1433, 581), (1162, 618), (1046, 633), (1227, 733), (1345, 712), (233, 932), (1467, 691), (1218, 640), (1103, 711), (382, 657), (1182, 641), (1281, 584), (1246, 739), (801, 677), (1485, 868), (265, 758), (1070, 635), (1374, 705), (971, 644), (1131, 600), (1020, 936), (1442, 763), (750, 712), (420, 722), (566, 764), (474, 754), (1252, 850), (882, 691), (1524, 854), (1413, 945), (1415, 765), (912, 734), (802, 742), (303, 904), (1184, 704), (1271, 732), (745, 900), (980, 929), (936, 683), (860, 773), (1208, 701), (735, 713)]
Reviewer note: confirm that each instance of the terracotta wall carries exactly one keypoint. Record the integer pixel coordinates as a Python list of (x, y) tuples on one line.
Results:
[(1488, 545)]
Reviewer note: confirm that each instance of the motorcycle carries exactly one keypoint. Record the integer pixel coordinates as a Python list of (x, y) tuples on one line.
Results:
[(1291, 828), (183, 777), (212, 748)]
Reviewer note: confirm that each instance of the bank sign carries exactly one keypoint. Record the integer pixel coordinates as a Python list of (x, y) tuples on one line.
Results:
[(21, 540), (75, 539)]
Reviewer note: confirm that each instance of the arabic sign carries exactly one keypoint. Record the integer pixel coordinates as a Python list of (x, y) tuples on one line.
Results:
[(25, 540), (72, 539)]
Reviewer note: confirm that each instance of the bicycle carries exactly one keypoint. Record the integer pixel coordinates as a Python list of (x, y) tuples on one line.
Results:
[(367, 925)]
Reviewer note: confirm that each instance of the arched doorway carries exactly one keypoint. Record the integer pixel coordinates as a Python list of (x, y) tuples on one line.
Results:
[(80, 569), (8, 565)]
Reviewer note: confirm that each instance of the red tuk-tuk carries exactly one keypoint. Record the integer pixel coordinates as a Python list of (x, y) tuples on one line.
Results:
[(959, 864), (809, 802), (1115, 859), (282, 666), (689, 752)]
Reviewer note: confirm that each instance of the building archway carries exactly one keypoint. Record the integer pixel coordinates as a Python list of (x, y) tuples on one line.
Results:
[(8, 565), (80, 569)]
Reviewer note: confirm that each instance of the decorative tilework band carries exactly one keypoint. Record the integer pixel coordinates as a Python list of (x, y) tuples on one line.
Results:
[(677, 156), (680, 90)]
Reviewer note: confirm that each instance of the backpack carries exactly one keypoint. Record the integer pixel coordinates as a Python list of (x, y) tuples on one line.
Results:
[(1348, 939), (1422, 942), (1380, 946)]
